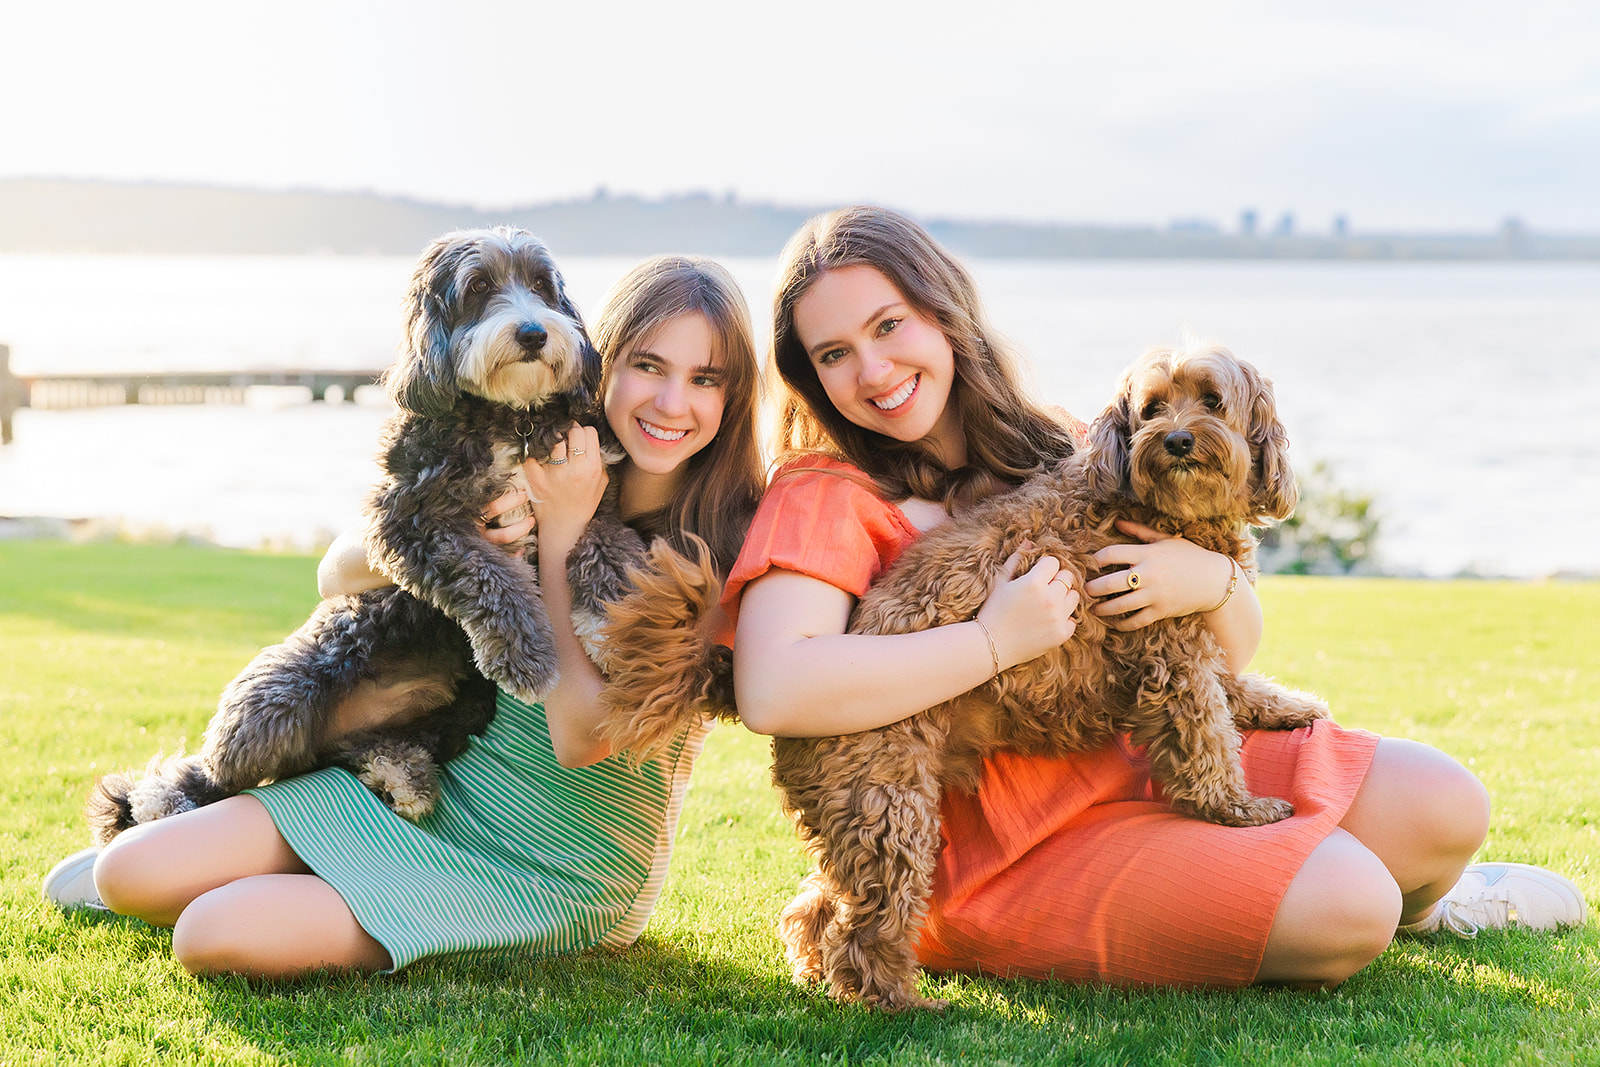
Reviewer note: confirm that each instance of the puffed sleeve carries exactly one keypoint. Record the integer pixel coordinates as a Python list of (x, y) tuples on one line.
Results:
[(819, 518)]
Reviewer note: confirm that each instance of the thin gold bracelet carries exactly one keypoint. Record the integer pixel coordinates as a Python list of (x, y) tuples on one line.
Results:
[(994, 655), (1233, 583)]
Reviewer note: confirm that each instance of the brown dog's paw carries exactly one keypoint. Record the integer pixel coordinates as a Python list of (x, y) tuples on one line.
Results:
[(801, 927), (805, 963), (1256, 811), (900, 1000), (1295, 711), (1309, 710)]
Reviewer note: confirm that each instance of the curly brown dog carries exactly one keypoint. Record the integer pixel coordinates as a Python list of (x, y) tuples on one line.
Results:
[(1191, 446)]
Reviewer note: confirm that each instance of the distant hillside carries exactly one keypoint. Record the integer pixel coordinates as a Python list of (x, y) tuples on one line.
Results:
[(38, 215), (74, 216)]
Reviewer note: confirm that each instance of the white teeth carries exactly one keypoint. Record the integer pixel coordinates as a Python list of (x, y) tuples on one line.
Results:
[(899, 396), (661, 433)]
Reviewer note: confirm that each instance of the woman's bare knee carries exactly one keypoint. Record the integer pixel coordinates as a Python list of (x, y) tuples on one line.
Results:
[(200, 938), (1338, 915), (1423, 814), (154, 870), (128, 877), (274, 926)]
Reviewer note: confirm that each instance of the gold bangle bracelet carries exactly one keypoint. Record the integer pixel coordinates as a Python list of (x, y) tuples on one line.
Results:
[(993, 654), (1233, 582)]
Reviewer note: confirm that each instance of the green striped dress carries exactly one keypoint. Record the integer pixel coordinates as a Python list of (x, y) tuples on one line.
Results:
[(520, 852)]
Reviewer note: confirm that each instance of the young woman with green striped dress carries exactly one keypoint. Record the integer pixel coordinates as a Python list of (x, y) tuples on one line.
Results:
[(543, 840)]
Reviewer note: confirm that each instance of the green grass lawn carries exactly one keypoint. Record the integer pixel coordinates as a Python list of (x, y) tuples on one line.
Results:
[(112, 652)]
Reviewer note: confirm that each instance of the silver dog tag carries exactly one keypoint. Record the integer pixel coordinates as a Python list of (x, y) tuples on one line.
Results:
[(525, 431)]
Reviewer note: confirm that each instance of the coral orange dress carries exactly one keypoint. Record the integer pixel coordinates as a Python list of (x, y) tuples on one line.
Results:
[(1073, 868)]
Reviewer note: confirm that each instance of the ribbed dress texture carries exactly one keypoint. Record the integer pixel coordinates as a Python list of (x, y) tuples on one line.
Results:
[(1072, 867), (519, 853)]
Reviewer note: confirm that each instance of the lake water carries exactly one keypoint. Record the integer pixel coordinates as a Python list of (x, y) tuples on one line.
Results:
[(1464, 397)]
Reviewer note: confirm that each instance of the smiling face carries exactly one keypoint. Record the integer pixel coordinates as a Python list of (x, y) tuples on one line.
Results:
[(664, 399), (883, 365)]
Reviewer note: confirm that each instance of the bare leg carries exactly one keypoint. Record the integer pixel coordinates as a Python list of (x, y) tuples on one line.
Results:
[(1414, 824), (1424, 815), (155, 870), (274, 926), (242, 901), (1338, 915)]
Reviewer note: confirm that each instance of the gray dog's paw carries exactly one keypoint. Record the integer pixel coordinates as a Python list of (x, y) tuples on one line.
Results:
[(528, 677), (156, 798), (589, 626), (404, 777)]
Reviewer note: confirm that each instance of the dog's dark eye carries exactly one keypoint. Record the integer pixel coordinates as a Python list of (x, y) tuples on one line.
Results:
[(478, 285), (1150, 409), (1212, 401)]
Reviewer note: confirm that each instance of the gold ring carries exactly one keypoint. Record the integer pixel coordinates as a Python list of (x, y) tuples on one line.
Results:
[(1133, 579), (577, 452), (484, 519)]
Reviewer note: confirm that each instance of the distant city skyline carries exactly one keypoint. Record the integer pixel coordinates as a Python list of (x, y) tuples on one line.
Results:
[(1353, 116)]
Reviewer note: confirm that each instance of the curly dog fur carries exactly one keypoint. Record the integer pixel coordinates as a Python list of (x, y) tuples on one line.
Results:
[(392, 682), (1191, 446)]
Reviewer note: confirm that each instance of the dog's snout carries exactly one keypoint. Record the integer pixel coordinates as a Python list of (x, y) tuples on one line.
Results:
[(532, 337), (1179, 443)]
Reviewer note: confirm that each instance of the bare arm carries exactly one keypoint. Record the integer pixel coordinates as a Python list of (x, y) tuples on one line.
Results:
[(798, 674), (1178, 577), (345, 571), (564, 498)]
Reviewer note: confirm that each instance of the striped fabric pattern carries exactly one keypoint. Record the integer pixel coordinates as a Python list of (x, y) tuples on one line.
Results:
[(520, 852)]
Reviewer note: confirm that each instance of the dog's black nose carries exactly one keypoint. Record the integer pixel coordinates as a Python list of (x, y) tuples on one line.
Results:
[(531, 336), (1179, 443)]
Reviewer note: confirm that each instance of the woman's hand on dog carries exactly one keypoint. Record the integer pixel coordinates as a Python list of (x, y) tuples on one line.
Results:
[(565, 488), (1175, 577), (1029, 615)]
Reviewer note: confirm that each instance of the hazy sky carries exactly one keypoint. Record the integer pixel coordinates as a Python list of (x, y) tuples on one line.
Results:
[(1410, 115)]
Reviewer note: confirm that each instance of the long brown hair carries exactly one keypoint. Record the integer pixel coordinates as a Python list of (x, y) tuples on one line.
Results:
[(722, 483), (1007, 436)]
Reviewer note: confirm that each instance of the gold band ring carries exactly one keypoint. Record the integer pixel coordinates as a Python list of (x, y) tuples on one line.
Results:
[(1133, 579)]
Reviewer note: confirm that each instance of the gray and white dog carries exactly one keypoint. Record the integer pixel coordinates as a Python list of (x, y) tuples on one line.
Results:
[(389, 683)]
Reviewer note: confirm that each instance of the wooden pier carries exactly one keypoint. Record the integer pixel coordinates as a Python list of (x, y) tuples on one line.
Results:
[(100, 390)]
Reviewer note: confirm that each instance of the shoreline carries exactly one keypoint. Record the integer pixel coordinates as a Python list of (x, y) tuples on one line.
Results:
[(108, 530)]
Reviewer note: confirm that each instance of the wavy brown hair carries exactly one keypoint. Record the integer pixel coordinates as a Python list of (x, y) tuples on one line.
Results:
[(723, 482), (1007, 436)]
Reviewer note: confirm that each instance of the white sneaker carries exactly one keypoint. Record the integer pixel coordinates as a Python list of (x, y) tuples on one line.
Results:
[(70, 883), (1493, 896)]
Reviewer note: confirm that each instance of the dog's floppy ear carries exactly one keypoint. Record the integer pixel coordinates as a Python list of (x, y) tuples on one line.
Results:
[(1107, 466), (423, 379), (1273, 492), (589, 357)]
